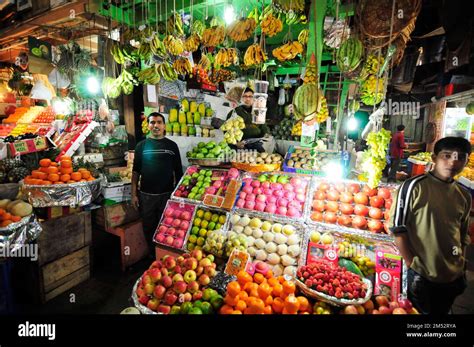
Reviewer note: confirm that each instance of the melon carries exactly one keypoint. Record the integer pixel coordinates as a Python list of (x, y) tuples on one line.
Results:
[(307, 100), (21, 209), (4, 203), (349, 55)]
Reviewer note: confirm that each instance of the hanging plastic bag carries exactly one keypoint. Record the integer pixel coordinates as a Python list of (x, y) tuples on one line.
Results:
[(281, 97)]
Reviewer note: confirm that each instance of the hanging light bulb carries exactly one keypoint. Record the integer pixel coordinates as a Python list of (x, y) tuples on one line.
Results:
[(229, 13), (93, 85), (352, 124)]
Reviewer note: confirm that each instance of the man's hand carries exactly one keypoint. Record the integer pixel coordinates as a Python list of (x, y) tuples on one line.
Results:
[(240, 145), (135, 200)]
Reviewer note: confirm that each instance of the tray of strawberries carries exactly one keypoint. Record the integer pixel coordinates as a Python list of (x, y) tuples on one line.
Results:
[(333, 284)]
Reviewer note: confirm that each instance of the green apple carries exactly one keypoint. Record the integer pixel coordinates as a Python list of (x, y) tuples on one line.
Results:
[(199, 184), (191, 195), (221, 219), (208, 173), (208, 293), (197, 222), (195, 310), (194, 189), (207, 215), (215, 217), (211, 257), (207, 180), (218, 226), (186, 307), (217, 301), (204, 224), (195, 175), (192, 239), (199, 213), (197, 197), (191, 246), (195, 230), (201, 190), (206, 308), (175, 310), (211, 226), (266, 226), (206, 185), (200, 241), (203, 232), (200, 178)]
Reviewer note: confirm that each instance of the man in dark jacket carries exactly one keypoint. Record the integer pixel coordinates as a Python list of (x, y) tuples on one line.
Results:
[(157, 166), (396, 152)]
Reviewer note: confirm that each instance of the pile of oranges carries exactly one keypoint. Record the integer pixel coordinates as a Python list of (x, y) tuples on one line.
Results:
[(50, 172), (7, 218), (263, 295)]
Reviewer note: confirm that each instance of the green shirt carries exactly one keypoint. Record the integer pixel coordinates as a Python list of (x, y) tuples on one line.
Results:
[(251, 130), (435, 216)]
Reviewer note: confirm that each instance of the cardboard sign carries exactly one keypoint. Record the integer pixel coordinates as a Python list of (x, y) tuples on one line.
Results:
[(318, 252), (388, 271), (28, 146), (308, 134)]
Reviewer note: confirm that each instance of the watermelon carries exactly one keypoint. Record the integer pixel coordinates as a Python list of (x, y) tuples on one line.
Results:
[(307, 100), (349, 55), (470, 108)]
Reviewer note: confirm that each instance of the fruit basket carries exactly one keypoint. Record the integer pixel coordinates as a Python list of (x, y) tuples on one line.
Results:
[(350, 204), (15, 235), (175, 225), (273, 193), (333, 300)]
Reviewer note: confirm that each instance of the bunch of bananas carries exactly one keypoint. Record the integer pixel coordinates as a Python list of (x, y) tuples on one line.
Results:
[(242, 29), (371, 66), (182, 66), (226, 57), (198, 28), (121, 54), (174, 45), (271, 25), (192, 43), (323, 113), (157, 47), (293, 18), (113, 87), (311, 73), (303, 37), (150, 75), (287, 5), (372, 90), (213, 36), (144, 51), (297, 129), (167, 71), (145, 129), (175, 24), (204, 62), (254, 55), (221, 75), (288, 51)]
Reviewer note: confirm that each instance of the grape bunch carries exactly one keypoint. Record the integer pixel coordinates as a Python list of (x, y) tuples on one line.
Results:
[(374, 160)]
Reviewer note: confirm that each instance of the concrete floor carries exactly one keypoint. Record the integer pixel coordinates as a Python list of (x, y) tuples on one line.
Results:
[(108, 292)]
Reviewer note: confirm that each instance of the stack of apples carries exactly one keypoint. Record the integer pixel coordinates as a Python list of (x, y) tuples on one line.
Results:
[(382, 305), (205, 221), (174, 225), (263, 293), (177, 285), (351, 205), (275, 194)]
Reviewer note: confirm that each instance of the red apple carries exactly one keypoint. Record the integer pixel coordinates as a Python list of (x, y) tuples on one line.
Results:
[(347, 197), (370, 191), (384, 193), (381, 300), (159, 292), (346, 208), (375, 225), (330, 217), (350, 309), (361, 198), (332, 206), (167, 281), (359, 222), (376, 201), (385, 310), (170, 262), (353, 188), (193, 287), (340, 187), (180, 287), (155, 274), (144, 299), (375, 213), (204, 280), (320, 195), (170, 297), (164, 309), (323, 186), (319, 205), (333, 195), (399, 310), (388, 204), (197, 295), (344, 220), (190, 264), (317, 216), (361, 210)]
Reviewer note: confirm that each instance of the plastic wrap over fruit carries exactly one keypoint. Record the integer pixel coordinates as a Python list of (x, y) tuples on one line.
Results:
[(220, 282), (18, 234), (73, 194)]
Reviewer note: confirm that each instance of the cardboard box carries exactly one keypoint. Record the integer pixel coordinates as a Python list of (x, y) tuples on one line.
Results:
[(118, 192), (116, 215), (388, 273)]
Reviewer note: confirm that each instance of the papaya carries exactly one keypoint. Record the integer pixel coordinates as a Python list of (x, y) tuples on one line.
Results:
[(193, 106), (185, 105), (192, 131), (182, 118), (173, 115), (197, 118), (184, 130), (169, 128), (176, 128), (189, 118)]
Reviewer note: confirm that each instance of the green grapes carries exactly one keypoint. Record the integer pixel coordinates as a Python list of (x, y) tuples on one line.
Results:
[(374, 160)]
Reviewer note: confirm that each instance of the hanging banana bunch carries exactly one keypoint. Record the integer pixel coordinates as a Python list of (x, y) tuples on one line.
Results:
[(167, 72), (175, 25), (157, 47), (198, 28), (191, 44), (226, 57), (204, 62), (242, 29), (287, 5), (288, 51), (303, 37), (214, 36), (183, 66), (174, 45), (150, 75), (271, 25), (254, 55)]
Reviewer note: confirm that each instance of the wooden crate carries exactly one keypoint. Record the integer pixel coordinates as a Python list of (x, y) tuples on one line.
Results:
[(64, 273), (133, 245), (64, 235), (109, 217)]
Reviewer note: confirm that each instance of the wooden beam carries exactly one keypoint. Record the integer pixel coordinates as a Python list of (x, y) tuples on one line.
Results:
[(57, 14)]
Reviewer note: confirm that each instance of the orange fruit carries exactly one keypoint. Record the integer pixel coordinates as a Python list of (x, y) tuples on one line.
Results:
[(76, 176), (35, 173), (45, 162), (269, 274), (241, 305), (258, 278), (71, 181), (257, 306), (304, 303), (16, 218), (83, 180), (272, 281), (277, 305), (53, 170), (53, 177), (27, 180), (44, 169), (289, 287), (233, 289), (47, 183), (5, 223), (42, 175), (58, 182), (226, 309), (243, 277), (267, 310), (249, 286), (277, 290), (281, 279), (66, 163), (81, 169), (254, 293), (65, 170), (264, 290), (2, 211), (236, 312), (292, 304), (7, 216), (91, 179), (65, 157), (231, 300), (54, 164), (269, 300), (65, 178)]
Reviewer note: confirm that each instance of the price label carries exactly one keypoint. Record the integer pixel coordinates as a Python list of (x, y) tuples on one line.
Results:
[(40, 143), (20, 147)]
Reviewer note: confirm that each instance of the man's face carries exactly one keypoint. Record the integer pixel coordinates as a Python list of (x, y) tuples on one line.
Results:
[(247, 98), (156, 126), (449, 163)]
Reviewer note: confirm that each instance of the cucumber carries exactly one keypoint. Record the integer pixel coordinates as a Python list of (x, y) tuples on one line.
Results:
[(350, 266)]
